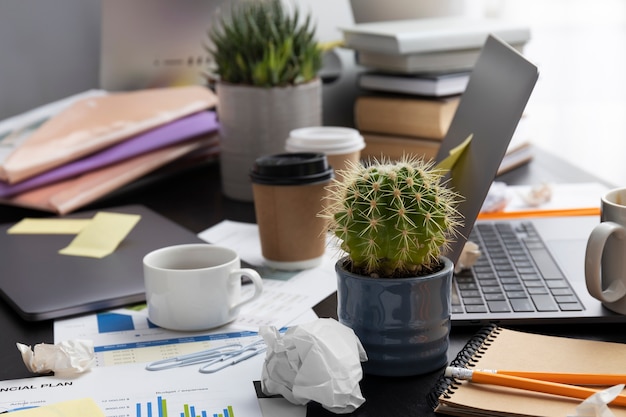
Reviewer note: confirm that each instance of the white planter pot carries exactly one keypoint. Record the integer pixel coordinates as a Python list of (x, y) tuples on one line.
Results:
[(256, 121)]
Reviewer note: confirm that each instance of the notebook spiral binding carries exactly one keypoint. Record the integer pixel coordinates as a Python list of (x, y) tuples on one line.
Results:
[(472, 351)]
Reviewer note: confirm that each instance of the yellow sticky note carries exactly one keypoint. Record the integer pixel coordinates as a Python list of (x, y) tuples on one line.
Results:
[(49, 226), (455, 153), (85, 407), (102, 235)]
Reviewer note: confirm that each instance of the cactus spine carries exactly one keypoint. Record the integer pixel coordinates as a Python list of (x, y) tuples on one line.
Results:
[(393, 218)]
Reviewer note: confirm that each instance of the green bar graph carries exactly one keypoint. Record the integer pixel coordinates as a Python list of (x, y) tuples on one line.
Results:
[(163, 411)]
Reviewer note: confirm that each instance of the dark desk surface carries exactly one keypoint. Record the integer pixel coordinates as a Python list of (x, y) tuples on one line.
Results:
[(193, 199)]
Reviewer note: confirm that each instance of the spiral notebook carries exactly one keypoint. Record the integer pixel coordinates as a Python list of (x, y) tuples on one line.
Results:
[(499, 348)]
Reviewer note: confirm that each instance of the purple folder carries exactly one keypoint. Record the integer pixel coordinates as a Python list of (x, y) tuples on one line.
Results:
[(168, 134)]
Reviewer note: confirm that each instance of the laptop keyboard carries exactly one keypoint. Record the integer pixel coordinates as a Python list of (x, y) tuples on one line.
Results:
[(515, 273)]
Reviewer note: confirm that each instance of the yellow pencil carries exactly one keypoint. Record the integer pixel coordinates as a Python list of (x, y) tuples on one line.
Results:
[(528, 384), (566, 377)]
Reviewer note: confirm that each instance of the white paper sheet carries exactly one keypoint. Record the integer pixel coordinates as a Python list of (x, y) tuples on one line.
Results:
[(129, 390)]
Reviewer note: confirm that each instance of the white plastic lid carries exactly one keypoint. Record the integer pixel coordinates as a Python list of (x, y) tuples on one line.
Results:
[(331, 140)]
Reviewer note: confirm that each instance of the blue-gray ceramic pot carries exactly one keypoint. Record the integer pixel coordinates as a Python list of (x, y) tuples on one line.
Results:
[(403, 324)]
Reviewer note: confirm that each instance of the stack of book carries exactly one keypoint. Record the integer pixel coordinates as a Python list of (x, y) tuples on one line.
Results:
[(64, 155), (417, 71)]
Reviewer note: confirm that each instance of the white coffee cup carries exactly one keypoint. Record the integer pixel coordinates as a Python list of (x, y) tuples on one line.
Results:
[(195, 286), (341, 145), (605, 258)]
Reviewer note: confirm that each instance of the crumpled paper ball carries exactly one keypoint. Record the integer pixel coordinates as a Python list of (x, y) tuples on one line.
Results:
[(469, 255), (317, 361), (66, 358), (597, 404)]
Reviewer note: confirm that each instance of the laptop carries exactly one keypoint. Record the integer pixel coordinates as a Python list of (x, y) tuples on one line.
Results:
[(531, 271), (39, 284), (156, 43)]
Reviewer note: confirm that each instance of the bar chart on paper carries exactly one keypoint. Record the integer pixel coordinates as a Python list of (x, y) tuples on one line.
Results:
[(200, 402), (162, 408), (132, 391)]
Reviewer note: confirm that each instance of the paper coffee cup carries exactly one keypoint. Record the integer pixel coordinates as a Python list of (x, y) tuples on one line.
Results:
[(340, 144), (288, 194)]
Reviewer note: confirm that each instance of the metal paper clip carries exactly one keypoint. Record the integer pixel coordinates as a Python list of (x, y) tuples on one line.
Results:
[(194, 358), (232, 358)]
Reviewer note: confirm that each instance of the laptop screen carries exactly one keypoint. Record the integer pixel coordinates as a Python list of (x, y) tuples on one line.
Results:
[(490, 108)]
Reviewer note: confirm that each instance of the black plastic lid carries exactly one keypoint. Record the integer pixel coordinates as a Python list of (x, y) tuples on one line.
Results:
[(291, 169)]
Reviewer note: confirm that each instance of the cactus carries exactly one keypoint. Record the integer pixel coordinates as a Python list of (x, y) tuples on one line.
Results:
[(394, 219)]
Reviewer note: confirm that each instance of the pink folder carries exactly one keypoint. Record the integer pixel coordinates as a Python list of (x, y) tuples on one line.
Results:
[(95, 123), (68, 195), (177, 131)]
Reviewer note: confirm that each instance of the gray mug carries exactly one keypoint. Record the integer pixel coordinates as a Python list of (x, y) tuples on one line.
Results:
[(605, 258)]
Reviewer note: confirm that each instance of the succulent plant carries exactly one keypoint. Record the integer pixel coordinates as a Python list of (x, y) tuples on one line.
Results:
[(394, 219), (261, 44)]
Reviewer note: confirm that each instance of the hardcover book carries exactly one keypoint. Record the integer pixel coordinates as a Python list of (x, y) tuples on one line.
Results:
[(455, 60), (431, 34), (424, 117), (379, 146), (433, 84)]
